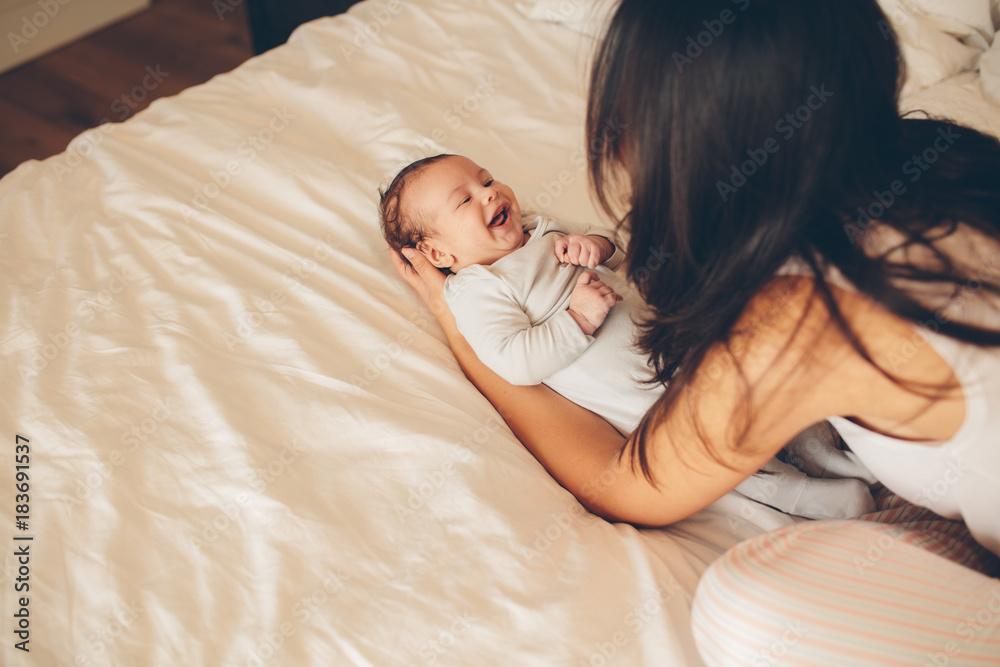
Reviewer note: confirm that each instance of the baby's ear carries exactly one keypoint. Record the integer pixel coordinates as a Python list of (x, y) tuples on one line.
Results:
[(438, 258)]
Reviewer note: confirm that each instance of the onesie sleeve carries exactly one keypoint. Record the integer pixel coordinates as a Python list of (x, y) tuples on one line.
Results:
[(617, 256), (504, 339)]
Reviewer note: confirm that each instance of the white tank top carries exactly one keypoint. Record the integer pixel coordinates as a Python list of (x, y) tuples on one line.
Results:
[(958, 478)]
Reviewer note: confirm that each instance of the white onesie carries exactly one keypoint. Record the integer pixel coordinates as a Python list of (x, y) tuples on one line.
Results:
[(514, 314)]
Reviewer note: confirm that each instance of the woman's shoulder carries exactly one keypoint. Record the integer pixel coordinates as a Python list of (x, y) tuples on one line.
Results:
[(791, 315), (851, 358)]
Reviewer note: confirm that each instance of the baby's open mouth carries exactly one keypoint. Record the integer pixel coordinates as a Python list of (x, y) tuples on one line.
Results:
[(500, 218)]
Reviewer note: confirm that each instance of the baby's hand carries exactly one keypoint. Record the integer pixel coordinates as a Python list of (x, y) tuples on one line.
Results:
[(581, 250), (591, 301)]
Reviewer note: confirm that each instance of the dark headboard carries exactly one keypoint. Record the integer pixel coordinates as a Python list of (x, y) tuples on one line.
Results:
[(272, 21)]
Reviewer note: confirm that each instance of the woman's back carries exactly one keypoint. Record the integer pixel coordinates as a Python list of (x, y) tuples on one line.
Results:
[(847, 186)]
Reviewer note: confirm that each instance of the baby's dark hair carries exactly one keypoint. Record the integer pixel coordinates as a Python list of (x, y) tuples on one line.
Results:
[(401, 230)]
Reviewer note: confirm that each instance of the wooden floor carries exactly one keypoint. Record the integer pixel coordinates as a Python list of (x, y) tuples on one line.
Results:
[(114, 73)]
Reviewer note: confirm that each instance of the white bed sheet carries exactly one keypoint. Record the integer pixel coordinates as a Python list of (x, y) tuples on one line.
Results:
[(248, 442), (249, 445)]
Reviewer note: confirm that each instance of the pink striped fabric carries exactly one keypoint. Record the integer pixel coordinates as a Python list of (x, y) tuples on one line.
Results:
[(945, 537), (836, 593)]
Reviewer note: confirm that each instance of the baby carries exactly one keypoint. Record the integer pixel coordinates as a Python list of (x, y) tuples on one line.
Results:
[(539, 302)]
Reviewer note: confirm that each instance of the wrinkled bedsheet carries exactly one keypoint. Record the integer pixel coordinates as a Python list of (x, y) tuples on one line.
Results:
[(243, 441)]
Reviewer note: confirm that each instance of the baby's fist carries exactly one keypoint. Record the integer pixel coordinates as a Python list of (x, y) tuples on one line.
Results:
[(591, 301), (580, 250)]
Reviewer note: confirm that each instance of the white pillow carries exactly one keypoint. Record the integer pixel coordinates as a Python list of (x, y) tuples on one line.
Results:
[(989, 73), (587, 16), (960, 99), (939, 38)]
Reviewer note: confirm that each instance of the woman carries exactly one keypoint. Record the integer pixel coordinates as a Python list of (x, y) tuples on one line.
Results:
[(829, 260)]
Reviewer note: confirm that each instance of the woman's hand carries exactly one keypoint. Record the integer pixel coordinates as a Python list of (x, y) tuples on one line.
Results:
[(426, 280), (576, 446)]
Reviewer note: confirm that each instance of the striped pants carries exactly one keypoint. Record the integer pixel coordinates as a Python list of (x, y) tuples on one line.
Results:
[(897, 589)]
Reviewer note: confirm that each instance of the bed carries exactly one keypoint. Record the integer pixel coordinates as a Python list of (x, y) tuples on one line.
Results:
[(233, 435)]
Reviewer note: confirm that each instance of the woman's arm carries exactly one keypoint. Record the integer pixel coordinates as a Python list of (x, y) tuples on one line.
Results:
[(787, 367), (578, 448)]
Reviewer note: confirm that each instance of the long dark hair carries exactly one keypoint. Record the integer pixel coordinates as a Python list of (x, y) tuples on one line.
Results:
[(756, 131)]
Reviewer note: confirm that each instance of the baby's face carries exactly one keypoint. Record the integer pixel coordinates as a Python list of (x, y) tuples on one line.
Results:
[(473, 218)]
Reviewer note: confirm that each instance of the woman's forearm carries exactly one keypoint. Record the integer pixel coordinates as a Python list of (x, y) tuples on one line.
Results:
[(694, 453), (578, 448)]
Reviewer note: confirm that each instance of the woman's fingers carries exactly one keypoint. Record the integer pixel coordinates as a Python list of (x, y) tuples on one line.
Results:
[(404, 268), (417, 261), (421, 275)]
